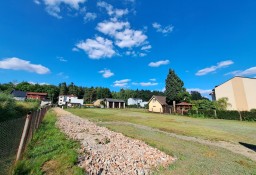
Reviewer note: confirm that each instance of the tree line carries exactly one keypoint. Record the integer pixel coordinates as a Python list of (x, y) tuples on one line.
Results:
[(174, 91), (89, 94)]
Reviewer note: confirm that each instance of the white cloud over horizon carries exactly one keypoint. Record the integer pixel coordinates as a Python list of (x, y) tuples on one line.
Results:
[(246, 72), (201, 91), (121, 83), (15, 63), (210, 69), (163, 30), (106, 73), (97, 48), (159, 63)]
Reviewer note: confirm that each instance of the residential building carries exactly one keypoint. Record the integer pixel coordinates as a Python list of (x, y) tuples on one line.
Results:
[(158, 104), (69, 100), (240, 91), (134, 101), (36, 95), (19, 95)]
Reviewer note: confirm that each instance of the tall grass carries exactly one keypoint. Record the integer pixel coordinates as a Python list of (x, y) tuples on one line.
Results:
[(49, 152), (10, 109)]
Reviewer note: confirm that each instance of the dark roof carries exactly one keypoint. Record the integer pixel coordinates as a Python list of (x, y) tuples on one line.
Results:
[(113, 100), (160, 99), (183, 104), (19, 93)]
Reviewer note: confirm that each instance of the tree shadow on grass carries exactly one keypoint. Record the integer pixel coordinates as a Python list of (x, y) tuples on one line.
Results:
[(247, 145)]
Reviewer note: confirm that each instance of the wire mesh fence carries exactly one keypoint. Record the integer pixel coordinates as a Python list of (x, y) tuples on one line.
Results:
[(15, 136)]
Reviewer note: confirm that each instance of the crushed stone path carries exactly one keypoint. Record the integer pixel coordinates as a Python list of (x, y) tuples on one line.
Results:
[(233, 147), (107, 152)]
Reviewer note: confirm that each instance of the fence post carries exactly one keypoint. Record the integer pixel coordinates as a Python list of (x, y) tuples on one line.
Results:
[(38, 118), (23, 137), (240, 115)]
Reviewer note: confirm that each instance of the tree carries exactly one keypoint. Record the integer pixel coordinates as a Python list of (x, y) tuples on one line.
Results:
[(63, 89), (195, 95), (173, 87), (221, 104)]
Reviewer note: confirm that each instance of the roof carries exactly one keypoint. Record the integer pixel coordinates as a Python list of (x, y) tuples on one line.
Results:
[(113, 100), (19, 93), (160, 99), (36, 93), (183, 104)]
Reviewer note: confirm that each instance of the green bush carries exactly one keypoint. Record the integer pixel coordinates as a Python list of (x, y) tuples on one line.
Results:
[(228, 115), (221, 114), (248, 116)]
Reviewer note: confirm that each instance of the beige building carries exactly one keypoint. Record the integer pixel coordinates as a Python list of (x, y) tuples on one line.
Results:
[(240, 91), (157, 104)]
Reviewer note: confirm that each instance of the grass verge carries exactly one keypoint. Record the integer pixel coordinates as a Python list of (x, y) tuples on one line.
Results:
[(49, 152), (193, 158)]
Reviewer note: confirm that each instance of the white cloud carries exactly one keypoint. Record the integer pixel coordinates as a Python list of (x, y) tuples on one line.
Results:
[(164, 30), (116, 13), (201, 91), (53, 6), (159, 63), (19, 64), (124, 36), (31, 82), (106, 73), (112, 27), (142, 54), (37, 2), (148, 84), (62, 59), (247, 72), (62, 75), (97, 48), (219, 65), (90, 16), (75, 49), (121, 83), (152, 79), (147, 47), (130, 38)]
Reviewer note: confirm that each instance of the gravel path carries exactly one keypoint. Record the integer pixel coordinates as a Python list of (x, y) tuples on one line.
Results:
[(233, 147), (107, 152)]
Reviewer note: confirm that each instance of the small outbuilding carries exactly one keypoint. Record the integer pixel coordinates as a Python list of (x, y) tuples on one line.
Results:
[(183, 107), (158, 104), (114, 103)]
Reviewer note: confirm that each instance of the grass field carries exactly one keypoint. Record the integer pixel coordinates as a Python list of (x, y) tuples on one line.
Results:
[(49, 152), (193, 158)]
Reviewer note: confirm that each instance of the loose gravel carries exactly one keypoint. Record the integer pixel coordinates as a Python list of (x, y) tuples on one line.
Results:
[(107, 152)]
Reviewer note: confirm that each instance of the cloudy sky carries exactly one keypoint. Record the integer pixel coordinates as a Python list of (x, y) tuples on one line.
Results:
[(127, 43)]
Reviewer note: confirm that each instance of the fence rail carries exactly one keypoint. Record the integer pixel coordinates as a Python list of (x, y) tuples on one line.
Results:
[(15, 136)]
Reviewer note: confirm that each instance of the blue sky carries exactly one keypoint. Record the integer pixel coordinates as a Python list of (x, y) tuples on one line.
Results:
[(127, 43)]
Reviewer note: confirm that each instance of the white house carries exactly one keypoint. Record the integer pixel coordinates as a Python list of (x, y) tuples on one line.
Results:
[(137, 102), (134, 101), (69, 100)]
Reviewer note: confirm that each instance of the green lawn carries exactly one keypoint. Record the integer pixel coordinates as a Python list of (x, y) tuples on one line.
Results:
[(193, 158), (49, 152)]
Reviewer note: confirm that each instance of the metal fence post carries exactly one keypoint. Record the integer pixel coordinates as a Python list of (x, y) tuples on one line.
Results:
[(23, 137)]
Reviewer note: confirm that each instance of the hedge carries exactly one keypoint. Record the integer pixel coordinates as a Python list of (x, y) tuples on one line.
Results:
[(228, 115)]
